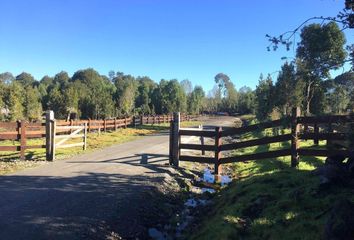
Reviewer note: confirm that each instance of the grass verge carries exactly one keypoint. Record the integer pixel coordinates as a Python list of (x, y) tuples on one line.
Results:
[(270, 200)]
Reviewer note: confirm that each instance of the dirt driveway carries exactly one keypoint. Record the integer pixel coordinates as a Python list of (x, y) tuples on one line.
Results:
[(109, 193)]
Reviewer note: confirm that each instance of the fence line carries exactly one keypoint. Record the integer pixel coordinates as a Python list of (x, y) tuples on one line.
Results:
[(51, 130), (293, 122)]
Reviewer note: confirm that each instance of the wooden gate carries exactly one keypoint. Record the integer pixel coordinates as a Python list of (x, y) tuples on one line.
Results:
[(60, 135)]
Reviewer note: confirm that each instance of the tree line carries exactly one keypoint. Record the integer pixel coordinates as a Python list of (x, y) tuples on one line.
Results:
[(87, 94), (305, 82)]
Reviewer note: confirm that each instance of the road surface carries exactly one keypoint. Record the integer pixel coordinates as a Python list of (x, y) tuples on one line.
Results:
[(98, 195)]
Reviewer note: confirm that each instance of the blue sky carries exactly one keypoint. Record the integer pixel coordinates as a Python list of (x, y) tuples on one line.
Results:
[(183, 39)]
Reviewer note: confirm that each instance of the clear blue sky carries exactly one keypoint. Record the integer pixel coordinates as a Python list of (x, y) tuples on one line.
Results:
[(183, 39)]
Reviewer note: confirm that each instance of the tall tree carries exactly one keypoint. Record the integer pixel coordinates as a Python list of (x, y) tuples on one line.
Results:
[(264, 98), (25, 79), (246, 100), (143, 100), (227, 91), (196, 100), (6, 78), (32, 104), (321, 49), (288, 89), (187, 86), (14, 101), (125, 94)]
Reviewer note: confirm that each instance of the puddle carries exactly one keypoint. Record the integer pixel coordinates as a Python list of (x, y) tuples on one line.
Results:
[(209, 190), (225, 180), (208, 176), (192, 202), (185, 217)]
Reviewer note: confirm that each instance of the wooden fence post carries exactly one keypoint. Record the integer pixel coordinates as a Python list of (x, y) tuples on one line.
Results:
[(99, 127), (202, 139), (49, 116), (53, 133), (171, 143), (115, 124), (316, 131), (71, 124), (125, 122), (85, 137), (89, 125), (176, 138), (217, 167), (295, 130), (23, 139), (104, 125), (134, 123), (329, 142)]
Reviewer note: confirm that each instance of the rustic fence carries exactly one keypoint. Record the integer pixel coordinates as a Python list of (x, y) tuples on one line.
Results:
[(21, 131), (57, 132), (324, 123)]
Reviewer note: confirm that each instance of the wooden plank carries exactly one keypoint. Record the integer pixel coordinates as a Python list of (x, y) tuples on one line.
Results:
[(69, 136), (38, 124), (80, 144), (11, 136), (8, 125), (257, 156), (326, 119), (323, 152), (255, 127), (256, 142), (35, 132), (69, 127), (36, 135), (197, 147), (35, 146), (10, 132), (323, 136), (196, 159), (10, 148), (198, 133)]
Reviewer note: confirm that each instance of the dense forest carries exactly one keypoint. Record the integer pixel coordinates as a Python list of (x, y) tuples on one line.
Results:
[(305, 81)]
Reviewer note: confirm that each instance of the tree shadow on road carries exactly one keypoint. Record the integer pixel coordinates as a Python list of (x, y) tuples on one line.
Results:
[(89, 206)]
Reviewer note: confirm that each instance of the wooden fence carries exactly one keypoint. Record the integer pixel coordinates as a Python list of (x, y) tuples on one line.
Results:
[(325, 123), (21, 131), (62, 131)]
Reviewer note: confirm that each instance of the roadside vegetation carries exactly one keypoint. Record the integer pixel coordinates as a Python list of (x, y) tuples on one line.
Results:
[(270, 200), (9, 161)]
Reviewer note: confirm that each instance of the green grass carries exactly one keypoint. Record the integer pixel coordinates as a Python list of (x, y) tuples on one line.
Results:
[(270, 200), (9, 161)]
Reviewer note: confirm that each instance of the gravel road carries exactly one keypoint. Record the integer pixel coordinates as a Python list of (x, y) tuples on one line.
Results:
[(105, 194)]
